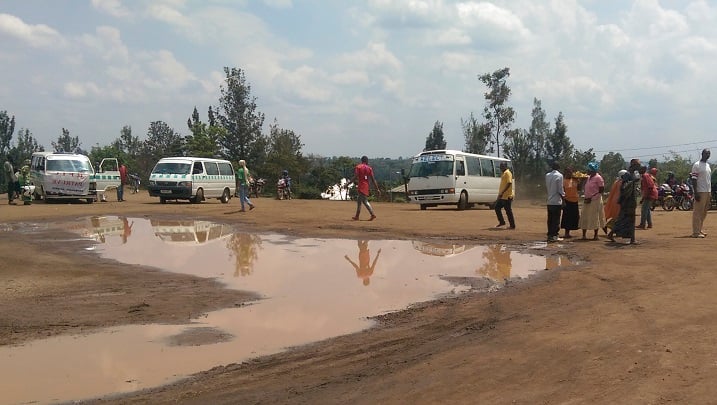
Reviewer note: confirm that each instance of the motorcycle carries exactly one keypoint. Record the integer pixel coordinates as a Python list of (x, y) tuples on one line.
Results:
[(683, 197), (283, 192), (256, 186), (664, 198)]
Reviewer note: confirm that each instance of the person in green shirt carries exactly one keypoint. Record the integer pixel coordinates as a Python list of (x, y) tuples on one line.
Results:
[(243, 178)]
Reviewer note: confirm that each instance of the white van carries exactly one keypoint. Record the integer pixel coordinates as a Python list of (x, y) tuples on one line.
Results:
[(193, 179), (59, 175), (451, 177)]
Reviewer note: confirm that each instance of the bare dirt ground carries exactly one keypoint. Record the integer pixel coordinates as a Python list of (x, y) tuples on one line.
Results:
[(629, 324)]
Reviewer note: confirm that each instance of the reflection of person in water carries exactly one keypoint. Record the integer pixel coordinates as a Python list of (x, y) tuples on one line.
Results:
[(363, 269), (127, 229), (246, 248), (498, 263)]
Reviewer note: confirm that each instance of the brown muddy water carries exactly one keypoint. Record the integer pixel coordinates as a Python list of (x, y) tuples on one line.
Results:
[(311, 288)]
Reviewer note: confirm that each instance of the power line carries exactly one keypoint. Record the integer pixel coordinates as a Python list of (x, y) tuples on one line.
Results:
[(653, 147)]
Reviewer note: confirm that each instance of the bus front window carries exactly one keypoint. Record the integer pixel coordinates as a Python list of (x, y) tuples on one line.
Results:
[(435, 168)]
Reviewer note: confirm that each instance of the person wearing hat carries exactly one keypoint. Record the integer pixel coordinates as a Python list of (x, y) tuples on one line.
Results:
[(648, 189), (593, 215), (625, 223)]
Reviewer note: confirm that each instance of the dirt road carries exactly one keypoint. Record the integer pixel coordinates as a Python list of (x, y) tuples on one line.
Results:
[(630, 324)]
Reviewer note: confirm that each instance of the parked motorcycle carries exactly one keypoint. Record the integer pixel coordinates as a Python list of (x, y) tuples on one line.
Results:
[(683, 197), (664, 198), (256, 187)]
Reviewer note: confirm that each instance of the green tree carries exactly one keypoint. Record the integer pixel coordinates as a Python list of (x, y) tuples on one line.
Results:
[(558, 147), (476, 135), (204, 140), (239, 116), (537, 135), (7, 128), (518, 148), (579, 159), (610, 164), (67, 143), (26, 146), (284, 153), (435, 139), (499, 117), (131, 145), (677, 164), (162, 141)]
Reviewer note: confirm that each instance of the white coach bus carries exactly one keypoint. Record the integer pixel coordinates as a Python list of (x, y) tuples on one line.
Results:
[(451, 177)]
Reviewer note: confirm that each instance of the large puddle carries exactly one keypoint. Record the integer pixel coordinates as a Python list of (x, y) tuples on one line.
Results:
[(312, 289)]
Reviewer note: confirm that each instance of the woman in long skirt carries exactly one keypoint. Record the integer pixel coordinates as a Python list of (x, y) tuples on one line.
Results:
[(570, 220)]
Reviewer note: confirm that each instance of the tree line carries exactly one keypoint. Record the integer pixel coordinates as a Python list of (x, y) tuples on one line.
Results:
[(233, 130)]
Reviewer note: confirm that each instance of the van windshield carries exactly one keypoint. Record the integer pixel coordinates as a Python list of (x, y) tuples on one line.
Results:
[(431, 168), (172, 168), (65, 165)]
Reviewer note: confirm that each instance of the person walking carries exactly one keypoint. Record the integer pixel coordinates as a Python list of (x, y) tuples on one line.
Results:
[(556, 197), (701, 184), (243, 179), (593, 215), (612, 208), (570, 220), (648, 191), (13, 185), (123, 181), (362, 174), (624, 225), (505, 197)]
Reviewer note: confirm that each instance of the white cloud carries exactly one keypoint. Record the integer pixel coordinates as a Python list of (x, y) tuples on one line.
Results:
[(111, 7), (38, 36)]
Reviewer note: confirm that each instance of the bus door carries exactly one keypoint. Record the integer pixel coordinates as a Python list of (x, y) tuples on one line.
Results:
[(461, 181)]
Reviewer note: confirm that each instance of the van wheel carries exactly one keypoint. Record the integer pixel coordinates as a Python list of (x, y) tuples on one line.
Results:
[(199, 197), (162, 200), (463, 201), (90, 200), (423, 207), (225, 196)]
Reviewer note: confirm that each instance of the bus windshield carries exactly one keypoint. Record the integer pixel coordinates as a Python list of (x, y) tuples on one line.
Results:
[(172, 168), (431, 168)]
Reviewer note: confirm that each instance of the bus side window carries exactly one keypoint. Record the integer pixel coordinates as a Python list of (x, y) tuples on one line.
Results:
[(197, 168), (460, 168), (486, 167)]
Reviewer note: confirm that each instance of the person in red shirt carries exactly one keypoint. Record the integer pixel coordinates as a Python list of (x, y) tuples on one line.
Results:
[(649, 194), (362, 173), (123, 181)]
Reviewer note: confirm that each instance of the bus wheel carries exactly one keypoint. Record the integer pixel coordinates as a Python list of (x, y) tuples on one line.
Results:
[(423, 207), (463, 201)]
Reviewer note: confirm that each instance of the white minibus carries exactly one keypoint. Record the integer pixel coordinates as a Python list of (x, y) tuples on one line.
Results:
[(59, 175), (440, 177), (193, 179)]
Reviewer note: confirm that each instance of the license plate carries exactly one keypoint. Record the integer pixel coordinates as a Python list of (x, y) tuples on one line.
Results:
[(165, 191)]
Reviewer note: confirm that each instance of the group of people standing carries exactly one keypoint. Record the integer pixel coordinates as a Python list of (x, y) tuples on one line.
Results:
[(617, 216)]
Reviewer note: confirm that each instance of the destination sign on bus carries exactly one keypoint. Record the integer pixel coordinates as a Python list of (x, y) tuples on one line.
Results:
[(433, 158)]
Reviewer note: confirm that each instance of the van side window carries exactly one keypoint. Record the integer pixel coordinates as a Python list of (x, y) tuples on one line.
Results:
[(460, 168), (197, 169), (211, 168), (225, 169)]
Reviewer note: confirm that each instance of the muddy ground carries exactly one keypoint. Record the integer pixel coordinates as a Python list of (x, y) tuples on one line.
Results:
[(629, 324)]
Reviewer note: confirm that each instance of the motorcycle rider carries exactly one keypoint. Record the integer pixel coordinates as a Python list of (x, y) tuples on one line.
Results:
[(287, 183)]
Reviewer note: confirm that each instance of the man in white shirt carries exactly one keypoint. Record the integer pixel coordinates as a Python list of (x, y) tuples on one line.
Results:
[(701, 183), (556, 194)]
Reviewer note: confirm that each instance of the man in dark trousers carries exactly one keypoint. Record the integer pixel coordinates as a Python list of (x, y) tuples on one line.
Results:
[(556, 196)]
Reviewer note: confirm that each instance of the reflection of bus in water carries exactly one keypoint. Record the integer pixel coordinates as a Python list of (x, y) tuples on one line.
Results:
[(439, 249), (100, 228), (189, 231)]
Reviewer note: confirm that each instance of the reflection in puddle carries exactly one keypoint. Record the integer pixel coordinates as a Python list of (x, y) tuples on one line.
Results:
[(309, 287)]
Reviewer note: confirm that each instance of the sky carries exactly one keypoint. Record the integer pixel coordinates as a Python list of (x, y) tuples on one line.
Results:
[(369, 77)]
